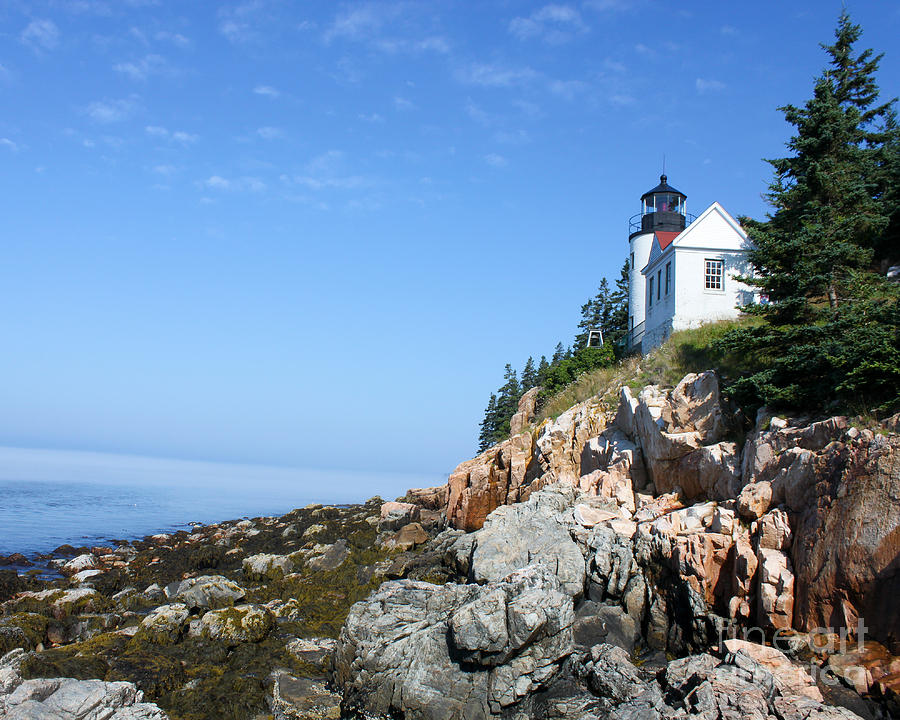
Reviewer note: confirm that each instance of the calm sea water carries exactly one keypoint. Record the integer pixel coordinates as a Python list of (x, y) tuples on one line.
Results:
[(48, 498)]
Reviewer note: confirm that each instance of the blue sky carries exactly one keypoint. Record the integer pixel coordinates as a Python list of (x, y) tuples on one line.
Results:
[(311, 234)]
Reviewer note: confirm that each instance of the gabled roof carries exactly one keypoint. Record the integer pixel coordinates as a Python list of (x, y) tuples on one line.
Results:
[(665, 238), (665, 242), (662, 239)]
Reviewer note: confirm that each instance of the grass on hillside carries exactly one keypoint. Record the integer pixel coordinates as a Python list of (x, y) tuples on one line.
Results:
[(684, 352)]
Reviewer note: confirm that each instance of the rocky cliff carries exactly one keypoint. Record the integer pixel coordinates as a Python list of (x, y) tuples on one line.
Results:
[(656, 557), (670, 528)]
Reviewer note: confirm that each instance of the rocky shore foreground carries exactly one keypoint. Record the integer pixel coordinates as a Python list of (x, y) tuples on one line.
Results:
[(639, 557)]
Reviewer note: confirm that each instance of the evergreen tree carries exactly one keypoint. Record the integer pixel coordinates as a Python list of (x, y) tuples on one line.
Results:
[(487, 435), (529, 376), (507, 400), (559, 354), (595, 313), (617, 325), (543, 369), (830, 329), (887, 247)]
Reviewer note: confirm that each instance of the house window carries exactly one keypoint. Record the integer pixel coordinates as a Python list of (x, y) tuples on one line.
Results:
[(668, 276), (658, 283), (714, 272), (632, 262), (650, 303)]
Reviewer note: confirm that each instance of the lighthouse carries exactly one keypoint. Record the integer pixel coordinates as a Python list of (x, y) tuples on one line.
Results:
[(663, 210)]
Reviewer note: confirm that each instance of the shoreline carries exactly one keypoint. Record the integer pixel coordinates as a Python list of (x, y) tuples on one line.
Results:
[(43, 561)]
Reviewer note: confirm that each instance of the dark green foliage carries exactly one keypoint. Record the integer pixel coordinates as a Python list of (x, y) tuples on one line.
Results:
[(606, 311), (529, 375), (559, 354), (830, 331), (581, 361), (543, 369), (500, 409), (595, 313), (489, 425), (9, 584), (618, 316)]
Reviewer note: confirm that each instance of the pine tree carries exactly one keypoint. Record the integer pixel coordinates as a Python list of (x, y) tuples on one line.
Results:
[(543, 369), (887, 247), (507, 400), (594, 314), (559, 354), (812, 257), (529, 376), (488, 432), (617, 325)]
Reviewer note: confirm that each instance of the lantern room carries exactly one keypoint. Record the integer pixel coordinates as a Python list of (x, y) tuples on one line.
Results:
[(662, 209)]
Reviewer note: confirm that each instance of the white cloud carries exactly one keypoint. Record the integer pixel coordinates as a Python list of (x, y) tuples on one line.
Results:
[(40, 35), (567, 89), (401, 103), (372, 117), (217, 182), (614, 65), (622, 99), (612, 5), (553, 24), (176, 39), (266, 91), (111, 111), (165, 169), (183, 137), (327, 172), (7, 143), (179, 136), (145, 67), (482, 117), (394, 46), (88, 7), (705, 86), (495, 160), (240, 23), (728, 30), (270, 133), (489, 75), (360, 21)]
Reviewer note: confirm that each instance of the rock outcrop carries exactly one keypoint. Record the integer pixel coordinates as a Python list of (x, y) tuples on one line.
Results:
[(846, 548), (453, 651), (67, 698)]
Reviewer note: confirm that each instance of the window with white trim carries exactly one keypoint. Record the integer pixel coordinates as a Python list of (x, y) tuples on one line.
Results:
[(715, 270), (668, 276), (650, 301)]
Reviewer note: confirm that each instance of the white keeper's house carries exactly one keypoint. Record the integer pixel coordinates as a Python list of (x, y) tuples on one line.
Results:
[(682, 268)]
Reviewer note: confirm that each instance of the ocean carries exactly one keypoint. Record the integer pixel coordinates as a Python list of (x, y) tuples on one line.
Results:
[(49, 498)]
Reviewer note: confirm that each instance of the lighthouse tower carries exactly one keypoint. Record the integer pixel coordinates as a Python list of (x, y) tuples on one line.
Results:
[(663, 209)]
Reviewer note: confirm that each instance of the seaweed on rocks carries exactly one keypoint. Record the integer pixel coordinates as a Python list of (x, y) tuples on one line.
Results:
[(210, 663)]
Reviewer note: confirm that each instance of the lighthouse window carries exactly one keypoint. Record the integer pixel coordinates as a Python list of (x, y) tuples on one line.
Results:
[(650, 303), (668, 276), (714, 272)]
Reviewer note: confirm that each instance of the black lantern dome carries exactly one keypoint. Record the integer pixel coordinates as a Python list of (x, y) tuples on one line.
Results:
[(662, 209)]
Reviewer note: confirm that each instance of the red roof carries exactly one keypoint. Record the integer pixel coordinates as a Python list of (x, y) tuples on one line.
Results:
[(665, 238)]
